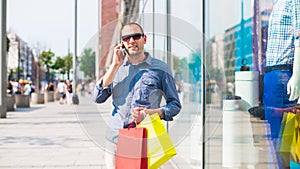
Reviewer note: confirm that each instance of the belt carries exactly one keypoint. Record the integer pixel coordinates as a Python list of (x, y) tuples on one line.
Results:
[(278, 67)]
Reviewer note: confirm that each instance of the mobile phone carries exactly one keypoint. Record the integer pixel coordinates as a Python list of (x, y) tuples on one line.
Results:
[(123, 49)]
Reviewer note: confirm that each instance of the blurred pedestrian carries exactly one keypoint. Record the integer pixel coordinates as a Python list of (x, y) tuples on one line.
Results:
[(69, 93), (61, 90)]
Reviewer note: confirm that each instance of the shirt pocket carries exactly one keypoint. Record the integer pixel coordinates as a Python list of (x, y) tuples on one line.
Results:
[(148, 85)]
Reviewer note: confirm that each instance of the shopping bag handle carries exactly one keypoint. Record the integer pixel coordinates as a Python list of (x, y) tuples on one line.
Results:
[(134, 122), (294, 109)]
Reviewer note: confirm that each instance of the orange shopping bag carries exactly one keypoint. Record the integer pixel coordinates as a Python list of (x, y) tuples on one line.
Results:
[(132, 149)]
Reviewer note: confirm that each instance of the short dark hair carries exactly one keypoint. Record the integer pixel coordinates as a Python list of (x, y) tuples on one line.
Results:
[(134, 23)]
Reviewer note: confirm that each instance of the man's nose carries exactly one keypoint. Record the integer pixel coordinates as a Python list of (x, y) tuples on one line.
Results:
[(131, 39)]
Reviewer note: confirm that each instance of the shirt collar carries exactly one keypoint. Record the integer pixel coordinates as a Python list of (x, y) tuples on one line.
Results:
[(148, 60)]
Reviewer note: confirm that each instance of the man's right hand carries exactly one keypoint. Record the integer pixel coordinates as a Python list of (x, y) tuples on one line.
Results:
[(118, 56), (117, 61)]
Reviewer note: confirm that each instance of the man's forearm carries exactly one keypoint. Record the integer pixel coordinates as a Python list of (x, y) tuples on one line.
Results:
[(109, 75)]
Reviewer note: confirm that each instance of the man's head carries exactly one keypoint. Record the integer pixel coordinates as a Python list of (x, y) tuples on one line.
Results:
[(133, 39)]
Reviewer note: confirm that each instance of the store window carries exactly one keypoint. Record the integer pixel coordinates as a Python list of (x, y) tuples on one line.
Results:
[(217, 53), (254, 126)]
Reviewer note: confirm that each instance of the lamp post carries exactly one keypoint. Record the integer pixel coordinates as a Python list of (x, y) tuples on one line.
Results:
[(75, 99), (3, 77)]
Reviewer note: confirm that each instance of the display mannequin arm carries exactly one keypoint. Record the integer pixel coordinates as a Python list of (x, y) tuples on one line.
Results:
[(293, 86)]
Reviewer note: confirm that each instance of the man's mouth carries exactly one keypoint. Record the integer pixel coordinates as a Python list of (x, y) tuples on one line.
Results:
[(133, 47)]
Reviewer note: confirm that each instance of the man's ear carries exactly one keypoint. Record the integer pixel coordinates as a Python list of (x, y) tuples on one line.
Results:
[(145, 39)]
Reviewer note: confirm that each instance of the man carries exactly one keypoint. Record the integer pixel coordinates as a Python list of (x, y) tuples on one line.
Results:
[(137, 84), (281, 79)]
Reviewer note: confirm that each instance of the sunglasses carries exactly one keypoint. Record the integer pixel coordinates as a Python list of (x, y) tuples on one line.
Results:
[(135, 36)]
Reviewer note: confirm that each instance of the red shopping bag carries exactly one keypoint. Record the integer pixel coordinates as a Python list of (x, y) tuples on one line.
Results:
[(132, 149)]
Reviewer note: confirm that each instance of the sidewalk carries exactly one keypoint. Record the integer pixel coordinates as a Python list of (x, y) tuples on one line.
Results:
[(49, 136), (54, 136)]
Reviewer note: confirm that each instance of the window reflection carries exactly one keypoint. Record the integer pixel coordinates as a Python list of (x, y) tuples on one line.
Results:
[(240, 41)]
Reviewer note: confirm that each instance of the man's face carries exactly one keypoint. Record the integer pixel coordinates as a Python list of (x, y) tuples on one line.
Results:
[(133, 39)]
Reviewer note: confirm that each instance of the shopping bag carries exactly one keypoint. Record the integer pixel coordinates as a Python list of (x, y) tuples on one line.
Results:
[(288, 132), (297, 147), (159, 145), (132, 149), (295, 141), (294, 165), (279, 142), (282, 147)]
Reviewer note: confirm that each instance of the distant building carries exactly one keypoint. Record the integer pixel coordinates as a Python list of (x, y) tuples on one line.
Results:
[(112, 14), (21, 60)]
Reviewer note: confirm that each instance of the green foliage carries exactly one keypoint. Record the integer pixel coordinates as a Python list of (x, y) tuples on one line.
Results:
[(194, 62), (87, 62), (64, 64), (59, 64), (68, 61), (46, 59), (68, 64)]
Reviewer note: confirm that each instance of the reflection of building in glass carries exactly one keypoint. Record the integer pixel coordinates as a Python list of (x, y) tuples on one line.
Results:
[(217, 51), (109, 27), (238, 47), (229, 53), (243, 43)]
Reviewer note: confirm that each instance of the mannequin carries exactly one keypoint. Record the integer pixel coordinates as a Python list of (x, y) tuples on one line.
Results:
[(293, 86), (282, 71)]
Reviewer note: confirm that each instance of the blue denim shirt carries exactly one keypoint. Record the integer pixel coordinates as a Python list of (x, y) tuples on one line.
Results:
[(141, 85)]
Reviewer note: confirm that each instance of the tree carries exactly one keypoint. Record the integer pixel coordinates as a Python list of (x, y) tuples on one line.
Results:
[(194, 63), (68, 64), (87, 62), (46, 59), (59, 64)]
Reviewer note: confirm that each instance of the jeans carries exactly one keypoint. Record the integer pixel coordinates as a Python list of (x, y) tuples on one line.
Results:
[(275, 96)]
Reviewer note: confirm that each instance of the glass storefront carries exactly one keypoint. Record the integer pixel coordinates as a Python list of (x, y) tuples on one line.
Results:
[(217, 52)]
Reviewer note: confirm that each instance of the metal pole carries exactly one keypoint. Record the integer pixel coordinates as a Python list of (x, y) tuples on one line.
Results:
[(203, 81), (75, 97), (19, 58), (169, 59), (153, 28), (3, 65), (98, 53)]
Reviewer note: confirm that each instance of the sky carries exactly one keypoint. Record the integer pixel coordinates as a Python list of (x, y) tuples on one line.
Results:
[(51, 23)]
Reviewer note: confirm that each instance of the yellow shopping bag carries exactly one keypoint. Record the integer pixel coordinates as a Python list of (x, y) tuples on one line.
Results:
[(159, 145), (286, 138), (288, 133), (295, 146), (282, 127)]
